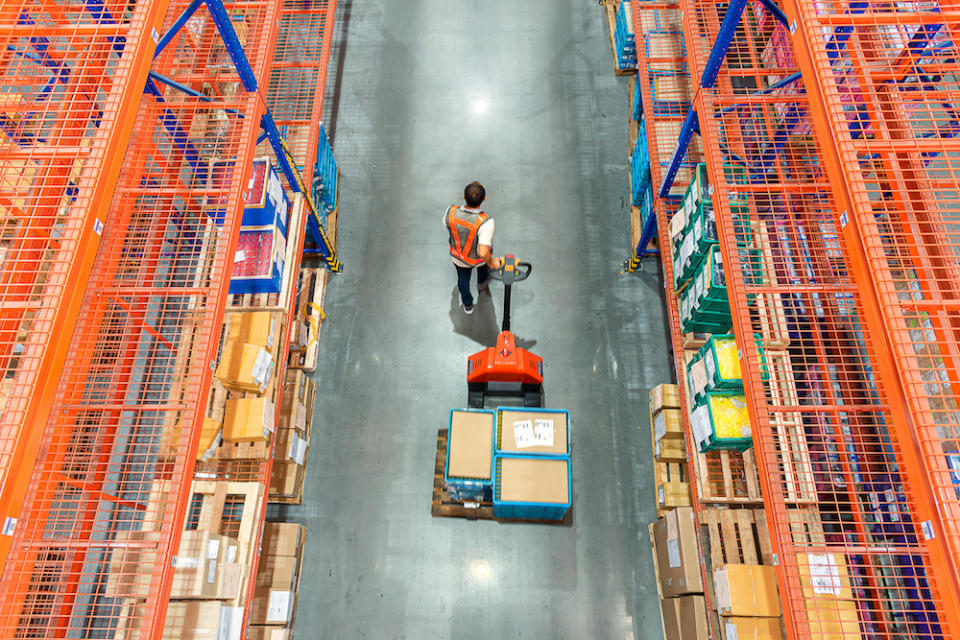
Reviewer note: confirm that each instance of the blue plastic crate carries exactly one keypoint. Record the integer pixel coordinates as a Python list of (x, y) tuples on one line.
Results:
[(504, 443), (555, 472), (323, 191), (637, 106), (479, 487), (259, 261), (623, 37)]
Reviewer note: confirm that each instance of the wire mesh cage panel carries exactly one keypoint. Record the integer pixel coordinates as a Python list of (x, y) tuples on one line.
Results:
[(71, 73), (109, 493), (822, 425)]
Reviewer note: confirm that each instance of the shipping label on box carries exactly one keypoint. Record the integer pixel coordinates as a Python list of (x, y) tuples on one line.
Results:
[(746, 590)]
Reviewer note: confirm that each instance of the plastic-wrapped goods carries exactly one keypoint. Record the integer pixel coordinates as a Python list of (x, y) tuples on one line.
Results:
[(730, 417), (722, 422), (721, 359), (623, 37), (637, 107)]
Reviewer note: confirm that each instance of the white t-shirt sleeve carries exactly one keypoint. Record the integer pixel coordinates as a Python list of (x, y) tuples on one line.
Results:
[(485, 233)]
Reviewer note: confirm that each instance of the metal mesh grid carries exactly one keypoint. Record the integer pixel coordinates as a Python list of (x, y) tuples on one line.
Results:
[(70, 73), (298, 81), (110, 488), (888, 76), (820, 423)]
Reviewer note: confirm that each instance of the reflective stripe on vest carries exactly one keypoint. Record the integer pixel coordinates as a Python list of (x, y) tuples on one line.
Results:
[(464, 227)]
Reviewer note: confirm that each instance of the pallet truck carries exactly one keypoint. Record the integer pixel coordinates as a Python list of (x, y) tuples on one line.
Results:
[(509, 373)]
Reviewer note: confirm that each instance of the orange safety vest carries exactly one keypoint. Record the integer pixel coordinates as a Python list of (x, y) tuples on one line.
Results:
[(464, 227)]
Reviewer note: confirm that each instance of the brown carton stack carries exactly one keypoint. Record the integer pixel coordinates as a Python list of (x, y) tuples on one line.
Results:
[(278, 578), (828, 596), (671, 478), (747, 601), (247, 359), (293, 439), (677, 559)]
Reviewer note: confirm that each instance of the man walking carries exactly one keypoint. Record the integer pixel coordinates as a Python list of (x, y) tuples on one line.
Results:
[(471, 242)]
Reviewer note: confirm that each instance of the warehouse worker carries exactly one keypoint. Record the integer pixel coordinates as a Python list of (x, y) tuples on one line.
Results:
[(471, 242)]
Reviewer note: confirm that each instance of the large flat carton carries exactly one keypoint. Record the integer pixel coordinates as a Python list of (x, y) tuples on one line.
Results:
[(746, 590), (282, 538), (290, 446), (245, 367), (272, 606), (692, 615), (470, 443), (824, 574), (258, 328), (248, 419), (664, 396), (202, 620), (668, 425), (256, 632), (204, 569), (506, 438), (751, 629), (670, 609), (278, 572), (678, 557), (833, 619)]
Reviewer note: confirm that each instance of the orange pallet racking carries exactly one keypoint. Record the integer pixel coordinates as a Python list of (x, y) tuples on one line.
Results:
[(127, 412), (845, 329), (71, 75)]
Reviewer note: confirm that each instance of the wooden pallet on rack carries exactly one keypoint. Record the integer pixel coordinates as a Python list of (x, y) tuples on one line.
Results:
[(728, 477), (313, 286), (610, 10)]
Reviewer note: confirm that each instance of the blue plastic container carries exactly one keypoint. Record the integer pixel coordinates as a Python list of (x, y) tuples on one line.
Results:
[(265, 201), (532, 487), (470, 429), (505, 443)]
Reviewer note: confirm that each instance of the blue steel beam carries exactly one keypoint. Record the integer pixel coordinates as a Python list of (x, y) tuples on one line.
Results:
[(181, 20), (173, 84)]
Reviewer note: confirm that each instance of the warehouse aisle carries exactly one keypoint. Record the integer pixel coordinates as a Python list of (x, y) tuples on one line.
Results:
[(522, 97)]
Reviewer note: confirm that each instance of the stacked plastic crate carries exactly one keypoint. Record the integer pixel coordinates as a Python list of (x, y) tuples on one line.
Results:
[(325, 176), (623, 38)]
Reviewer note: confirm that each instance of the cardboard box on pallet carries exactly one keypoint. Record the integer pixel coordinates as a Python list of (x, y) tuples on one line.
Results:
[(670, 450), (204, 569), (286, 480), (282, 538), (272, 606), (248, 419), (833, 619), (828, 596), (258, 328), (268, 633), (173, 436), (678, 556), (664, 396), (746, 590), (751, 629), (245, 367), (672, 494), (290, 446), (685, 618), (202, 620), (668, 424)]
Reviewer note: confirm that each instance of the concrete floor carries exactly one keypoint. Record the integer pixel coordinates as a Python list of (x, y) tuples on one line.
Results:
[(521, 96)]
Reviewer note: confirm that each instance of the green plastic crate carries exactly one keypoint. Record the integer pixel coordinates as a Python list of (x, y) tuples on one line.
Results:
[(702, 424), (710, 355)]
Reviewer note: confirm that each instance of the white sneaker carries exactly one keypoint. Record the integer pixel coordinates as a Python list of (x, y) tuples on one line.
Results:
[(468, 310)]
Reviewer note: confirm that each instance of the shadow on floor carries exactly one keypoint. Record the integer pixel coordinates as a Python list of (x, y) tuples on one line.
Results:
[(481, 326)]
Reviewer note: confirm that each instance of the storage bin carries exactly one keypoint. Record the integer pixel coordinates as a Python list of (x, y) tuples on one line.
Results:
[(506, 440), (468, 470), (532, 487), (720, 412)]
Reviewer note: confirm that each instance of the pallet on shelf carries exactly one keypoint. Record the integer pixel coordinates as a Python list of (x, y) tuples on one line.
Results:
[(311, 293), (442, 506), (610, 11), (728, 477)]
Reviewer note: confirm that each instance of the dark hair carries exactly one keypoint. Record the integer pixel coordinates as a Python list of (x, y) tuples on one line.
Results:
[(474, 193)]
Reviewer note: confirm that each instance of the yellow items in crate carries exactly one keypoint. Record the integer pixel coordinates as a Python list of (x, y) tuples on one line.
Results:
[(728, 359), (730, 417)]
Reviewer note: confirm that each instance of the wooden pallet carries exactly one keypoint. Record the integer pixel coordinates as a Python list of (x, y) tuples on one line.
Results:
[(442, 506), (728, 477), (311, 294), (610, 10)]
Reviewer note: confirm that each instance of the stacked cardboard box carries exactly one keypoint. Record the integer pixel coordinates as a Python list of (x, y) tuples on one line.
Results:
[(746, 598), (278, 578), (293, 439), (247, 359), (677, 558), (671, 477), (828, 596)]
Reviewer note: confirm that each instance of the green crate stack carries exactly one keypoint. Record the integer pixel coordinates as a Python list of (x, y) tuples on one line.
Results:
[(704, 307), (694, 227), (703, 422)]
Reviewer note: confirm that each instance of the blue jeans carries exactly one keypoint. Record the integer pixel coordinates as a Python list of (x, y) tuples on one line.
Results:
[(463, 281)]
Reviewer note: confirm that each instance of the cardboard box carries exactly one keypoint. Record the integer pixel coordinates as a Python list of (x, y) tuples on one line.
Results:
[(669, 608), (672, 494), (256, 632), (664, 396), (248, 419), (290, 446), (833, 619), (278, 572), (286, 479), (194, 620), (697, 378), (678, 557), (747, 590), (668, 424), (281, 538), (751, 629), (202, 568), (126, 578), (470, 445), (245, 367), (507, 443), (543, 480), (824, 575), (271, 606), (670, 450), (174, 438), (258, 328), (692, 616)]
